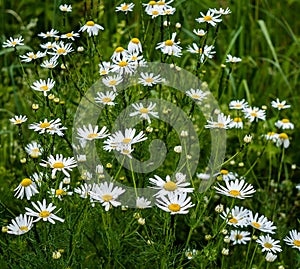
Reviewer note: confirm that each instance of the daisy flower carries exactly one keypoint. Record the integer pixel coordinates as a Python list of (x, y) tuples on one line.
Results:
[(125, 7), (221, 11), (70, 35), (142, 203), (209, 18), (237, 216), (112, 81), (61, 49), (26, 187), (197, 94), (175, 203), (43, 85), (236, 189), (279, 104), (104, 68), (106, 98), (135, 45), (20, 225), (84, 190), (238, 104), (90, 133), (51, 127), (107, 195), (48, 45), (207, 51), (32, 56), (271, 136), (91, 27), (270, 257), (199, 32), (155, 11), (43, 211), (167, 186), (51, 33), (222, 122), (261, 223), (233, 59), (13, 42), (65, 8), (226, 175), (149, 79), (268, 244), (293, 239), (239, 237), (59, 163), (191, 253), (51, 63), (60, 192), (34, 150), (124, 66), (170, 47), (18, 120), (119, 54), (254, 114), (236, 123), (136, 59), (283, 139), (284, 124), (144, 112)]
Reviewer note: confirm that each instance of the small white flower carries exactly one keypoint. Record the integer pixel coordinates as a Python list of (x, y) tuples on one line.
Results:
[(238, 104), (125, 7), (196, 94), (26, 187), (70, 35), (170, 47), (239, 237), (51, 33), (142, 203), (106, 98), (254, 114), (20, 225), (284, 124), (13, 42), (279, 104), (90, 133), (293, 239), (270, 257), (34, 150), (268, 244), (91, 27), (223, 122), (233, 59), (65, 8), (209, 18), (283, 139), (18, 120), (144, 112), (43, 85), (261, 223), (149, 79)]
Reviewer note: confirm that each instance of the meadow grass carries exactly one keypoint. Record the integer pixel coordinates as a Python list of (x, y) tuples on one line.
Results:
[(99, 233)]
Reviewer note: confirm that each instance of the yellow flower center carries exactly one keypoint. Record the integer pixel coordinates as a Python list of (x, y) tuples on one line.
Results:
[(126, 140), (149, 80), (233, 220), (125, 7), (238, 105), (26, 182), (44, 214), (237, 120), (224, 172), (61, 51), (69, 35), (144, 110), (44, 125), (23, 228), (103, 72), (280, 105), (160, 3), (92, 135), (195, 96), (90, 23), (170, 186), (133, 58), (296, 243), (112, 82), (18, 121), (169, 42), (207, 18), (285, 121), (199, 50), (107, 197), (106, 99), (44, 87), (152, 3), (119, 49), (58, 165), (60, 192), (256, 225), (253, 114), (220, 125), (122, 64), (14, 43), (234, 193), (155, 12), (174, 207), (283, 136), (135, 40), (271, 133), (268, 245), (238, 237)]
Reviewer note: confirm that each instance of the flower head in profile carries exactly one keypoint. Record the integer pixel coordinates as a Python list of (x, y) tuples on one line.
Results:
[(51, 33), (30, 56), (293, 239), (283, 140), (221, 11), (90, 133), (50, 127), (34, 149), (43, 212), (144, 111), (91, 27), (59, 163), (135, 45), (170, 47), (261, 223), (209, 18), (18, 119), (233, 59), (175, 203), (284, 124), (13, 42), (236, 189), (142, 203), (223, 122), (65, 8), (125, 8), (20, 225), (27, 187), (107, 194), (279, 104)]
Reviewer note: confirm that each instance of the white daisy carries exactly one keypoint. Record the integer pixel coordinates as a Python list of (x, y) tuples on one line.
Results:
[(239, 237), (209, 18), (236, 189), (34, 149), (236, 123), (29, 56), (268, 244), (18, 120), (51, 33), (238, 104), (91, 27), (233, 59), (125, 7), (104, 68), (226, 175), (119, 54), (43, 211), (20, 225), (84, 190), (280, 104), (199, 32), (90, 133), (222, 122), (284, 124), (197, 94), (70, 35), (107, 194), (60, 192), (112, 81), (61, 49), (207, 51), (26, 187), (170, 47), (254, 114), (237, 216), (167, 186), (271, 136), (144, 112), (142, 203), (221, 11), (283, 139), (135, 45), (43, 85), (13, 42), (106, 98), (65, 8), (270, 257), (149, 79), (124, 66), (59, 163), (175, 203), (261, 223), (293, 239), (51, 127), (47, 46), (51, 63)]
